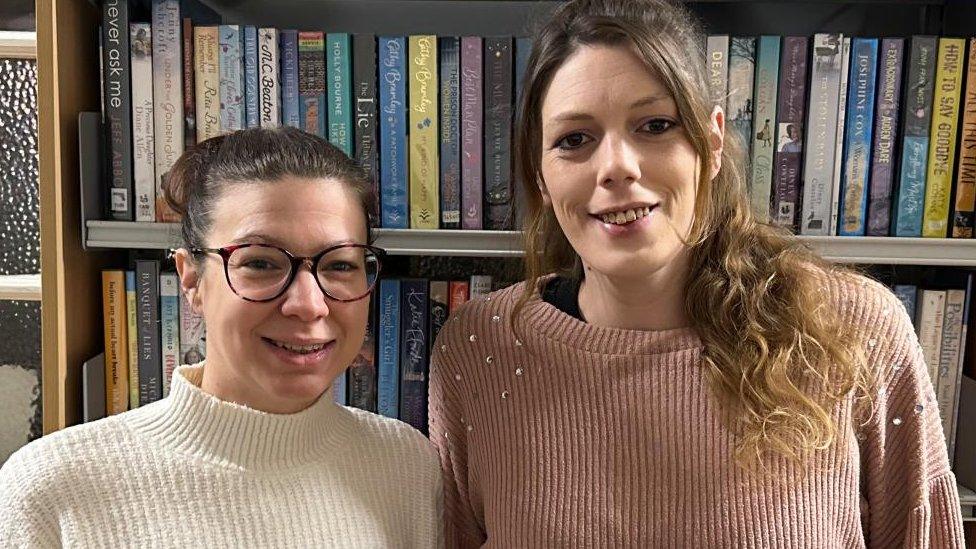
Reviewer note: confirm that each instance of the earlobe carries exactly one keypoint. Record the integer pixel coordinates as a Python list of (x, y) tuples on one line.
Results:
[(543, 192), (716, 139)]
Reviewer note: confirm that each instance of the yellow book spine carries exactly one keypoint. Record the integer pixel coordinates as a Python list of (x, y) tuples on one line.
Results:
[(116, 342), (206, 66), (942, 136), (962, 225), (423, 133), (133, 339)]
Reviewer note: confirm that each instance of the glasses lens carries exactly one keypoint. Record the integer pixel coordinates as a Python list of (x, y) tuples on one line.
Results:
[(349, 272), (258, 272)]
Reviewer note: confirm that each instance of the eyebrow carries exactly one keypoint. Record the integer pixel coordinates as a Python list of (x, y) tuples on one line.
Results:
[(256, 237), (572, 116)]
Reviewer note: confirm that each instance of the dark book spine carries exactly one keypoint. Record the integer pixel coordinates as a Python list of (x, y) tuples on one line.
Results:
[(450, 152), (364, 78), (439, 299), (523, 47), (189, 99), (472, 132), (362, 372), (885, 127), (147, 330), (789, 131), (498, 132), (118, 107), (413, 352)]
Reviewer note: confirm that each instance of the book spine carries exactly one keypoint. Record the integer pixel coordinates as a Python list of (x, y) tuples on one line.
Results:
[(906, 293), (458, 294), (169, 326), (450, 153), (742, 73), (717, 46), (366, 140), (132, 338), (252, 96), (818, 167), (931, 319), (857, 141), (230, 66), (189, 86), (93, 388), (340, 91), (523, 48), (423, 162), (767, 76), (393, 133), (340, 389), (964, 218), (957, 382), (414, 333), (472, 128), (480, 286), (193, 333), (362, 372), (388, 351), (915, 137), (789, 130), (206, 58), (885, 127), (498, 132), (290, 113), (150, 367), (143, 143), (268, 75), (942, 137), (116, 76), (116, 344), (311, 82), (845, 72), (949, 357), (439, 300), (167, 82)]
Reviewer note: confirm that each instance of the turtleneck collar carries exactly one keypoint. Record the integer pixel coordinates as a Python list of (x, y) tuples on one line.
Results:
[(193, 422)]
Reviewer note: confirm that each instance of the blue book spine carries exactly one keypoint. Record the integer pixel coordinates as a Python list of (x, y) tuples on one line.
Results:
[(339, 389), (289, 79), (338, 50), (388, 350), (858, 137), (251, 92), (393, 132), (231, 69), (906, 293), (414, 332)]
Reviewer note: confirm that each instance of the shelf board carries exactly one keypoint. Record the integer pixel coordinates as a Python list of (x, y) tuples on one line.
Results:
[(866, 250), (25, 287)]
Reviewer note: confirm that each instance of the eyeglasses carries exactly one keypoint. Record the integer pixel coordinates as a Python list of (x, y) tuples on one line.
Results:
[(261, 272)]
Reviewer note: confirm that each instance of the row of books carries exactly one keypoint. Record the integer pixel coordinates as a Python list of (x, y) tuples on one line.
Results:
[(942, 321), (429, 117), (150, 329), (853, 136)]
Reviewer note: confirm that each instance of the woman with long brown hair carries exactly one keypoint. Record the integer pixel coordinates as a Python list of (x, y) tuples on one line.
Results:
[(674, 372)]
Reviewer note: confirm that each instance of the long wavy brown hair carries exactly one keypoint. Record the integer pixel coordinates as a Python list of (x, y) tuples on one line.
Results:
[(775, 351)]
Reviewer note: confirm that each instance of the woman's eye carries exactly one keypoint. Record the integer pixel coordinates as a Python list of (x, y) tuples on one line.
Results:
[(340, 266), (572, 141), (658, 125), (259, 265)]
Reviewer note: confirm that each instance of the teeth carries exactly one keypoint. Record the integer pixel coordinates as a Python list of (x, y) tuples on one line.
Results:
[(304, 349), (619, 218)]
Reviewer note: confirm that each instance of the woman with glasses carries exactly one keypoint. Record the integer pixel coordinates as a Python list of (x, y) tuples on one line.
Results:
[(248, 448)]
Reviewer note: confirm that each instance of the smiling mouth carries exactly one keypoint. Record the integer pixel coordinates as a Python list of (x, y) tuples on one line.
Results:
[(625, 216), (300, 349)]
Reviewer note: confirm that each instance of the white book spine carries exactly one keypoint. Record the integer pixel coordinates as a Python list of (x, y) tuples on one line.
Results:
[(480, 286), (949, 357), (207, 82), (167, 86), (269, 80), (930, 322), (169, 326), (718, 69), (839, 137), (143, 154)]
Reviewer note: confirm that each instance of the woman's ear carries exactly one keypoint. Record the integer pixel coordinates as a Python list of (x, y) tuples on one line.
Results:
[(543, 191), (189, 273), (716, 140)]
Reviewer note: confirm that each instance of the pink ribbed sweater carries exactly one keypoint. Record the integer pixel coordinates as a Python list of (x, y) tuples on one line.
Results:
[(585, 436)]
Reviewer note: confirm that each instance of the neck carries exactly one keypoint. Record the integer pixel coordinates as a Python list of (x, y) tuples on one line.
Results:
[(229, 385), (655, 302)]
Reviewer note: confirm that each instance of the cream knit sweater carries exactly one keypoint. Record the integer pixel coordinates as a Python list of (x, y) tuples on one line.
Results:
[(195, 471)]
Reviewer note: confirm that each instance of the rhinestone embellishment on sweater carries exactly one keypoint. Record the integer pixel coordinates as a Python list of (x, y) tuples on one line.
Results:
[(496, 318), (504, 395), (472, 338), (897, 421), (519, 371), (489, 359), (919, 408)]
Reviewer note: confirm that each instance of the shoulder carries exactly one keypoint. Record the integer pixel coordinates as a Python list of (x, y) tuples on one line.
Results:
[(392, 440), (861, 301), (476, 315)]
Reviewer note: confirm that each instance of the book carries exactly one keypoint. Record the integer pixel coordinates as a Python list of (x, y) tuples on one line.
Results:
[(193, 333), (845, 70), (393, 133), (143, 141), (132, 338), (818, 167), (439, 299), (93, 388), (116, 343), (458, 294), (942, 137), (907, 293), (206, 58), (950, 366), (915, 136), (931, 316), (764, 124), (472, 118), (339, 72), (423, 134), (523, 48), (147, 306), (311, 83), (885, 128), (858, 137), (498, 133), (340, 389), (742, 73), (252, 96), (963, 343), (167, 96), (789, 131), (366, 126), (290, 112), (388, 349), (169, 326), (116, 108), (717, 46), (414, 334), (479, 286), (271, 95), (362, 371), (450, 139), (963, 217), (189, 87)]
